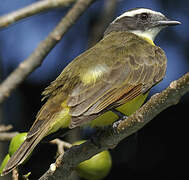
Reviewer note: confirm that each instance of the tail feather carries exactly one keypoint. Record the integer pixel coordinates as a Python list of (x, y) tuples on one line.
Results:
[(23, 152)]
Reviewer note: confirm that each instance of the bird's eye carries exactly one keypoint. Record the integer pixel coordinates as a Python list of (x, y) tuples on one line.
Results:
[(144, 16)]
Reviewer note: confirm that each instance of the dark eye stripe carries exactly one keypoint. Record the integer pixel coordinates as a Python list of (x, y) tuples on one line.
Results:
[(144, 16)]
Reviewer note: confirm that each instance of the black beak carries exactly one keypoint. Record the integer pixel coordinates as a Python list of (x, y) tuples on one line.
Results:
[(168, 22)]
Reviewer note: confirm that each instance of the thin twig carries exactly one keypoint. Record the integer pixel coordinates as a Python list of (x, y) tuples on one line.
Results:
[(15, 175), (61, 145), (32, 9), (7, 136), (112, 136), (37, 57), (4, 128)]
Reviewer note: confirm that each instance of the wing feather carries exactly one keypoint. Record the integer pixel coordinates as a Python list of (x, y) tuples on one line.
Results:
[(117, 69)]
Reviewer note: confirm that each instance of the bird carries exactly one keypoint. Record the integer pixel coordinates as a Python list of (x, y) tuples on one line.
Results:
[(111, 78)]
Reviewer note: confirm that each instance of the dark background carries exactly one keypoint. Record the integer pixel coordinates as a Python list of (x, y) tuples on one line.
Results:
[(160, 149)]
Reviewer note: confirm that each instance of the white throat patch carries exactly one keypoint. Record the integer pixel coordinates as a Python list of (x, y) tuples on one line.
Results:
[(149, 34)]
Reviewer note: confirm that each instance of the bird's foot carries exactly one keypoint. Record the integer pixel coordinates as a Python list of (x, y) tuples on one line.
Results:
[(121, 117), (95, 139)]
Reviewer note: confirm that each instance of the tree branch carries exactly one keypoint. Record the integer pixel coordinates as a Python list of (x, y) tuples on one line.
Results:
[(61, 145), (7, 136), (32, 9), (15, 175), (37, 57), (109, 138), (4, 128)]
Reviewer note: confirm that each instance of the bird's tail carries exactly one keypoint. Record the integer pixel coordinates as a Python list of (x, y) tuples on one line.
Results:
[(23, 152)]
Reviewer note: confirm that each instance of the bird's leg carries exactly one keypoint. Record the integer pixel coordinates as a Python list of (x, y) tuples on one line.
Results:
[(120, 115), (95, 138)]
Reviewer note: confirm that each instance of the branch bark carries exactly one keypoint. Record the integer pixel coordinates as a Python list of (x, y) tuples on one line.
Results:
[(110, 137), (15, 175), (7, 136), (61, 145), (4, 128), (37, 57), (32, 9)]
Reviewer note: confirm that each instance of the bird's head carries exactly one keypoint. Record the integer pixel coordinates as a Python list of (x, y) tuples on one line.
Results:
[(141, 21)]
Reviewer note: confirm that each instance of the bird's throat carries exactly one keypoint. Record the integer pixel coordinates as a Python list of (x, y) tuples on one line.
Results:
[(149, 40), (149, 36)]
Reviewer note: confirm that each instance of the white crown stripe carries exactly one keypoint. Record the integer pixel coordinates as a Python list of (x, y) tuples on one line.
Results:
[(138, 11)]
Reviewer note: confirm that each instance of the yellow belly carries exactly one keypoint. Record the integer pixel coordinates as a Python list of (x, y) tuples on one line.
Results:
[(63, 118), (128, 108)]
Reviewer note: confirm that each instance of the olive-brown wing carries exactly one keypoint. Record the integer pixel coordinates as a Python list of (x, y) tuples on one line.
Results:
[(138, 67), (123, 65)]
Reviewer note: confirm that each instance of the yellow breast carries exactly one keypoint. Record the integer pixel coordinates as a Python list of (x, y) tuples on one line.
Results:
[(149, 40)]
